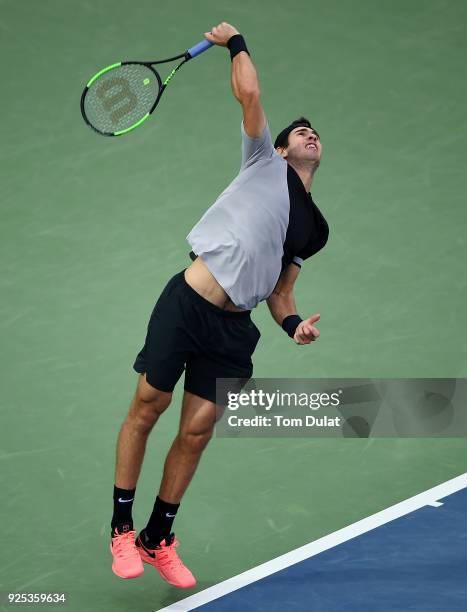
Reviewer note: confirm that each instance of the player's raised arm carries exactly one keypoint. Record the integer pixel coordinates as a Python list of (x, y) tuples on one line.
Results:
[(245, 85)]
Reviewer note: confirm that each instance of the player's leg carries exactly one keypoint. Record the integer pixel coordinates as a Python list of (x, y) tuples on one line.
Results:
[(147, 405), (156, 542), (145, 409), (196, 428)]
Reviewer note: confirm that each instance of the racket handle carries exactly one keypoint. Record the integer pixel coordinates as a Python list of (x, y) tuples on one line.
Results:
[(199, 48)]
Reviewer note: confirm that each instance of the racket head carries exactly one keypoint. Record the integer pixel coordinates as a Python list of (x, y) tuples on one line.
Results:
[(120, 97)]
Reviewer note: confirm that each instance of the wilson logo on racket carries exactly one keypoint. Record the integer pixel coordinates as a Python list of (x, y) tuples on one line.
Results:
[(112, 93), (122, 96)]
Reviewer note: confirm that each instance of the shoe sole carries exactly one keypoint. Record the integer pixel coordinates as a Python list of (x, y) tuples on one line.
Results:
[(178, 586)]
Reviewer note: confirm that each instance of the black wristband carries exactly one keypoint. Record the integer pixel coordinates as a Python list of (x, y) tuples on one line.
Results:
[(235, 44), (290, 324)]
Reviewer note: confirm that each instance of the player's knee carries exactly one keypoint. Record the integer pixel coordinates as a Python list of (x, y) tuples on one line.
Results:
[(144, 415), (153, 407), (149, 403)]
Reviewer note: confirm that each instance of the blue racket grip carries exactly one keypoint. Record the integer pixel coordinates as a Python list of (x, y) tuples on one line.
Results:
[(200, 48)]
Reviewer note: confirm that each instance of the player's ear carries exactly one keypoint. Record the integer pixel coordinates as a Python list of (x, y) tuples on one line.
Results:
[(282, 152)]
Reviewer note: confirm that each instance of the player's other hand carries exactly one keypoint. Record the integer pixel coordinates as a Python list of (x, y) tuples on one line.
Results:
[(306, 331), (221, 33)]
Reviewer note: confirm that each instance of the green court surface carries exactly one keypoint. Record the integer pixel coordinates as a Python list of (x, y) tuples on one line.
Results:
[(93, 227)]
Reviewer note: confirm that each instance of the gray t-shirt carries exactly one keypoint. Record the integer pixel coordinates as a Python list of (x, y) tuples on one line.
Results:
[(241, 236)]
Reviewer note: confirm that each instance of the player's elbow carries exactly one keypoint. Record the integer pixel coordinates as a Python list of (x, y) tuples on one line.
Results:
[(248, 95), (282, 295)]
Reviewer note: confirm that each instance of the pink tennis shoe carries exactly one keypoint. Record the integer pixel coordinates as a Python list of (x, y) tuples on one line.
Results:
[(126, 559), (166, 561)]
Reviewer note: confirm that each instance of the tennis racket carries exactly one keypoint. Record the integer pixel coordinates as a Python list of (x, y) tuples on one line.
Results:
[(120, 97)]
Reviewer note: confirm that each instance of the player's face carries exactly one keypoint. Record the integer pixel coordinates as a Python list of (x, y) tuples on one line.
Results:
[(304, 144)]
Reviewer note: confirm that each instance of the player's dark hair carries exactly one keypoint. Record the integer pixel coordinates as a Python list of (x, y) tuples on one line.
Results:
[(282, 139)]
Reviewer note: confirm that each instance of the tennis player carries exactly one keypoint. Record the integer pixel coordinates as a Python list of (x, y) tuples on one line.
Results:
[(248, 247)]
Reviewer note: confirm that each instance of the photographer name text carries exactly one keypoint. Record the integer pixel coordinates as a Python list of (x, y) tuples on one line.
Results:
[(282, 421)]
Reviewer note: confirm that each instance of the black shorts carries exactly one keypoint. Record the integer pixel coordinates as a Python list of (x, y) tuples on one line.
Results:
[(186, 331)]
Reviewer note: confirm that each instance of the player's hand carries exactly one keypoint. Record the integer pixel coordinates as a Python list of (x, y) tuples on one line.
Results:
[(306, 331), (220, 34)]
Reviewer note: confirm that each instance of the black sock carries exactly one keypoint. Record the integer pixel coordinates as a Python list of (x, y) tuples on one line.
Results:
[(161, 520), (123, 503)]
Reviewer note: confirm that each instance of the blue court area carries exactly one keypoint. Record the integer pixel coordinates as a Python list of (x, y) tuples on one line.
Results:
[(417, 562)]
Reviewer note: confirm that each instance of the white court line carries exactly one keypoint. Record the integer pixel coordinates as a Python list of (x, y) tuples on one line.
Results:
[(435, 504), (319, 546)]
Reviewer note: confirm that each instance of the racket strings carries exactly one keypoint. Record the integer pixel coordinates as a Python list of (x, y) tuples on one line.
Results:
[(121, 98)]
